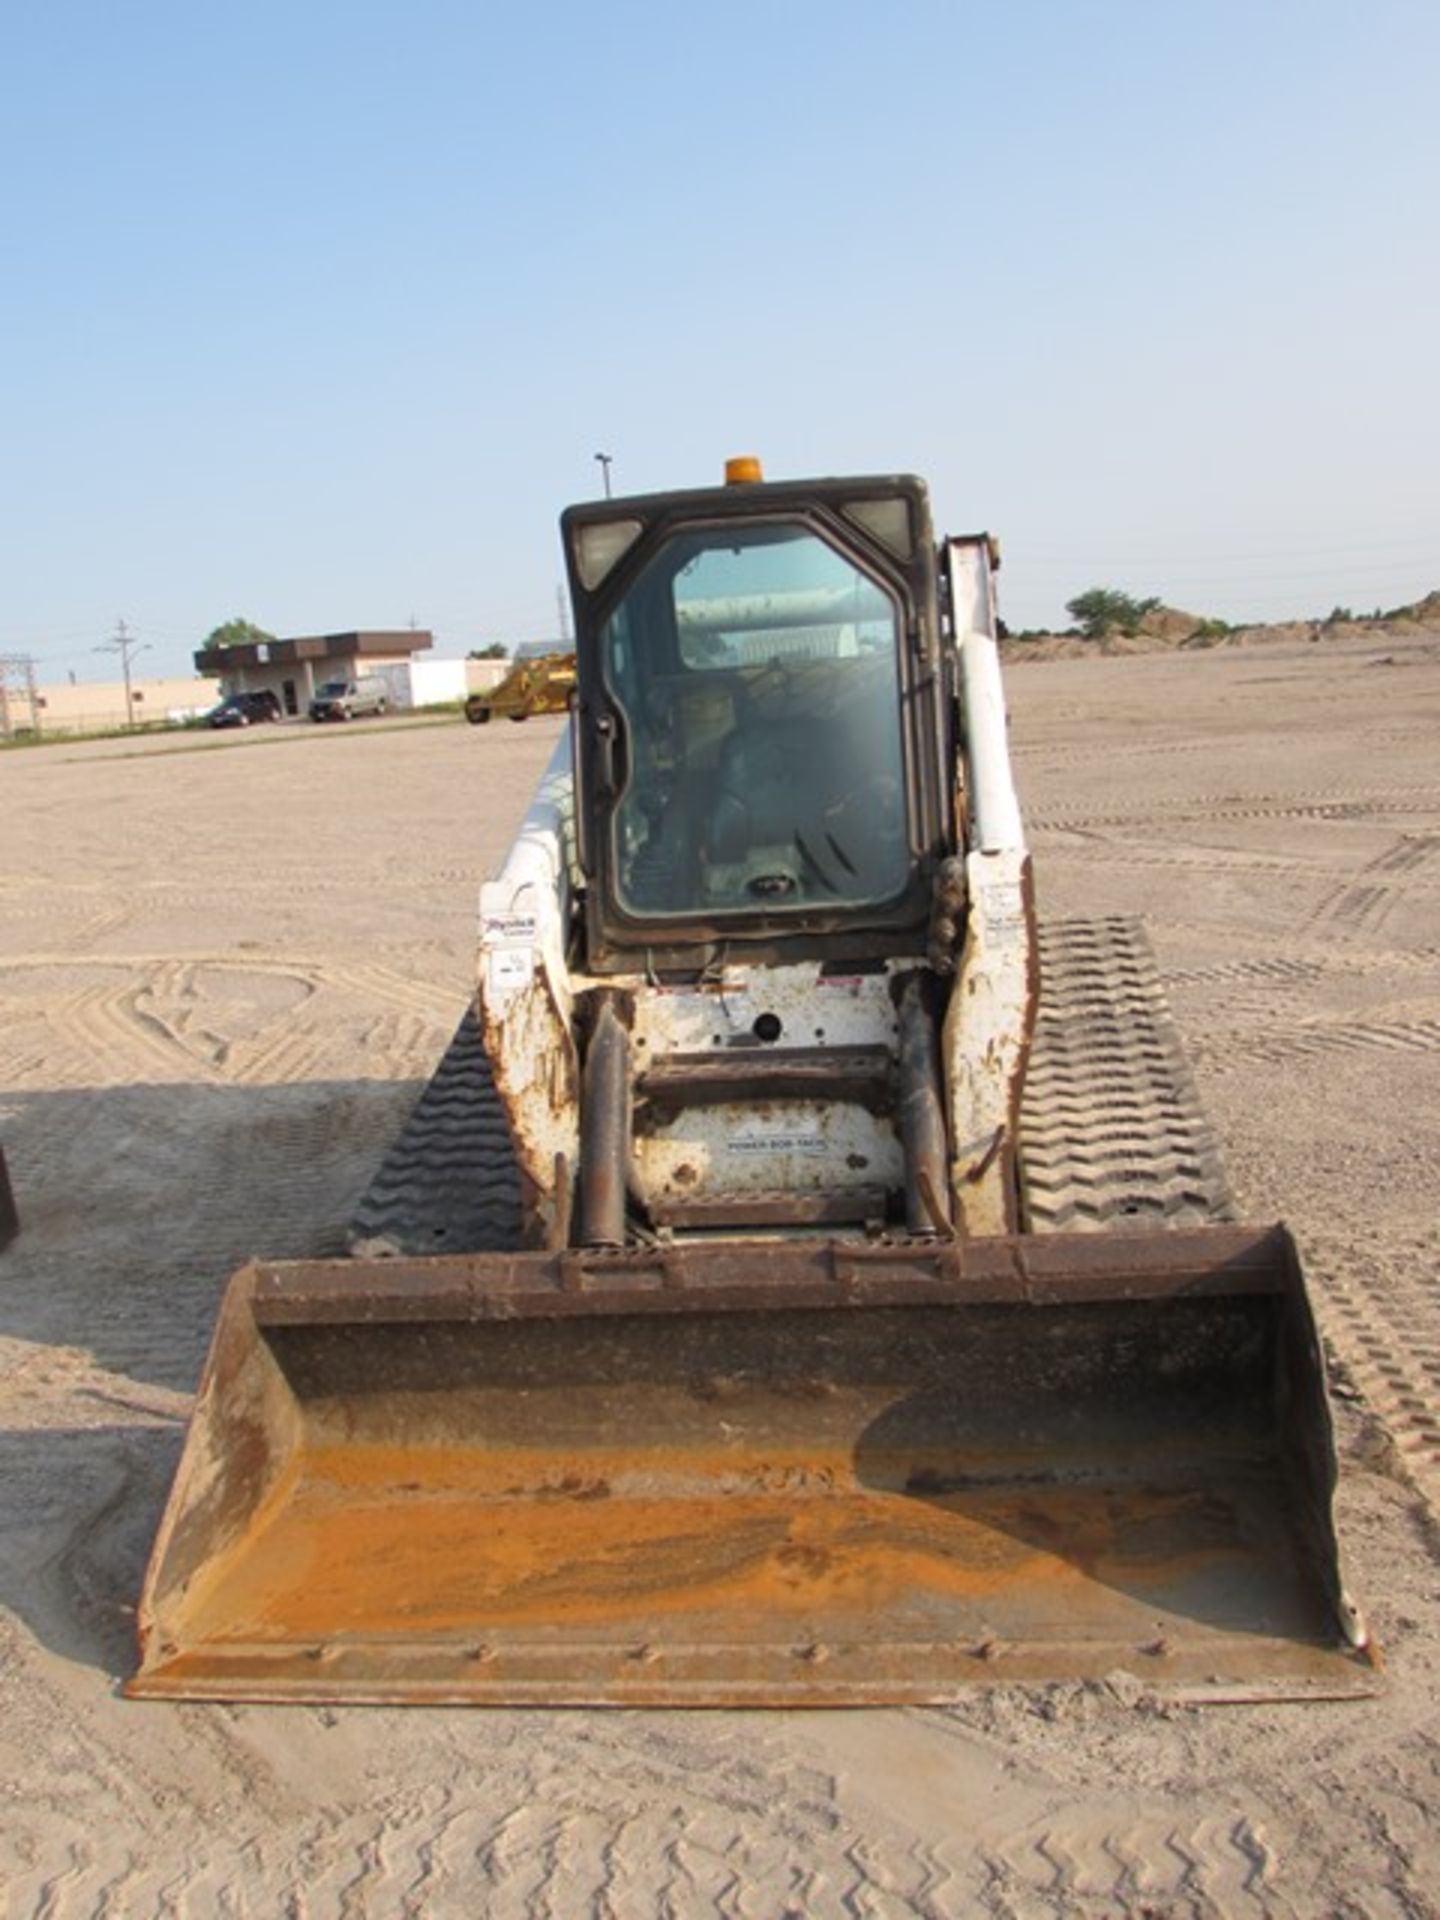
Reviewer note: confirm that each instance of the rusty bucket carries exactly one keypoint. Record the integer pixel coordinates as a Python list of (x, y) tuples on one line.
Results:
[(754, 1473)]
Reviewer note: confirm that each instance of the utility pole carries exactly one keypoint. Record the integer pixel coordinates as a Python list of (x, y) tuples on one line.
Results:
[(124, 644), (17, 683), (562, 607), (605, 459)]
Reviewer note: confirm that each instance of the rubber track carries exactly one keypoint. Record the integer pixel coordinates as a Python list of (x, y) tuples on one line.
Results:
[(1112, 1133), (450, 1183)]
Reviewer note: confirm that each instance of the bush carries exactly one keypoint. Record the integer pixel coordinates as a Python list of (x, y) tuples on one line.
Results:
[(1102, 610), (238, 633)]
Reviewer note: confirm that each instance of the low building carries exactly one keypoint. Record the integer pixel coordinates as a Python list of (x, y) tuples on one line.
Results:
[(98, 706), (426, 683), (293, 669)]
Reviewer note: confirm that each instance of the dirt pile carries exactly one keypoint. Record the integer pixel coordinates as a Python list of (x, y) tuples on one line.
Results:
[(1163, 629)]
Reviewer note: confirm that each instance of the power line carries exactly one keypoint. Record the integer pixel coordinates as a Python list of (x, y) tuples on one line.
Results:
[(124, 644), (17, 682)]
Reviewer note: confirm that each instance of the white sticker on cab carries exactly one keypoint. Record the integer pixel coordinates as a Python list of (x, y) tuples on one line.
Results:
[(514, 929), (511, 967)]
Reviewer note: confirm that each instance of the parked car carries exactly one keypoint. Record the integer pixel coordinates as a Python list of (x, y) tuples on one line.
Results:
[(244, 709), (350, 699)]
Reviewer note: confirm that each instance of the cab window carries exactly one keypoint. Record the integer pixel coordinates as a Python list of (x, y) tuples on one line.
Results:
[(758, 678)]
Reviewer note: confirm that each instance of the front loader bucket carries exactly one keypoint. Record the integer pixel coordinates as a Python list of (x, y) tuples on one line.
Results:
[(759, 1473)]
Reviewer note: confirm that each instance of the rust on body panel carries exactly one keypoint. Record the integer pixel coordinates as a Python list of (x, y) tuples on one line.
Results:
[(1023, 1269)]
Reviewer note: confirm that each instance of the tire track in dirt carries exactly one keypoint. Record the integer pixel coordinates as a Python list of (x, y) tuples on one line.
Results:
[(293, 1056), (43, 904), (1197, 809), (21, 1067), (164, 1016), (371, 982), (1298, 971), (1422, 734), (196, 1018), (1062, 754), (1194, 863), (123, 1044), (584, 1845), (382, 985), (1359, 908), (1388, 1338), (597, 1825), (298, 967), (401, 1042), (1226, 1049), (1110, 1862), (102, 923), (167, 1007), (1267, 968)]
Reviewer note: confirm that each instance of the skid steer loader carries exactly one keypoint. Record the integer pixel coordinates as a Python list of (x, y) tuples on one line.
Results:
[(730, 1325)]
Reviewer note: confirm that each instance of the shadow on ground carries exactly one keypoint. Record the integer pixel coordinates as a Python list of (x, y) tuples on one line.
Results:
[(78, 1511), (136, 1204)]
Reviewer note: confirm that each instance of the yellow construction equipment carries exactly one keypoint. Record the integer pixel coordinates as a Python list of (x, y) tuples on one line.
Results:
[(539, 683)]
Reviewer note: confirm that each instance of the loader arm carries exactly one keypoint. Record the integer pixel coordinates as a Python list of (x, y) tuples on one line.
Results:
[(992, 1010)]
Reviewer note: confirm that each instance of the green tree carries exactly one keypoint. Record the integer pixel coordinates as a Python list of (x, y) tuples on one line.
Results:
[(497, 650), (1102, 610), (238, 633)]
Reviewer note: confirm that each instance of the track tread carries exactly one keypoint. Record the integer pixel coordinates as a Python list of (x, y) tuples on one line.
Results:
[(1112, 1132), (451, 1182)]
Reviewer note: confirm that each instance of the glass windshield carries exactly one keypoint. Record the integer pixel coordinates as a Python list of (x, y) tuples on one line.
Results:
[(757, 673), (332, 690)]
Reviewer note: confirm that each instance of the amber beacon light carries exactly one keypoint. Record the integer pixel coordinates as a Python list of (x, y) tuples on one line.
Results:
[(743, 470)]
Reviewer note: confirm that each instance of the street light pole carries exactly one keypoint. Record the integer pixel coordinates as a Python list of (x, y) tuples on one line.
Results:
[(605, 459)]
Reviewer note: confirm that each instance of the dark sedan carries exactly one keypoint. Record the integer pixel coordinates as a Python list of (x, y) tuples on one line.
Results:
[(244, 710)]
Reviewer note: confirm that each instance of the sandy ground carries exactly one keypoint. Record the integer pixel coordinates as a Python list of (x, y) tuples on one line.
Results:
[(227, 966)]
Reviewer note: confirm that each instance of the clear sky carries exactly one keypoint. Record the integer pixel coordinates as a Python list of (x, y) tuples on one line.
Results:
[(317, 313)]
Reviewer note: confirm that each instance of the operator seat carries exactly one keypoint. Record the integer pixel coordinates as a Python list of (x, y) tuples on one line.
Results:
[(765, 788)]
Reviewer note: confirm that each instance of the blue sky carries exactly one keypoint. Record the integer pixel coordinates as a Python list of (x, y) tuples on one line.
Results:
[(317, 313)]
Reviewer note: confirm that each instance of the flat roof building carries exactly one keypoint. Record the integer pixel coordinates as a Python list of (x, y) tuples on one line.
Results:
[(293, 669)]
